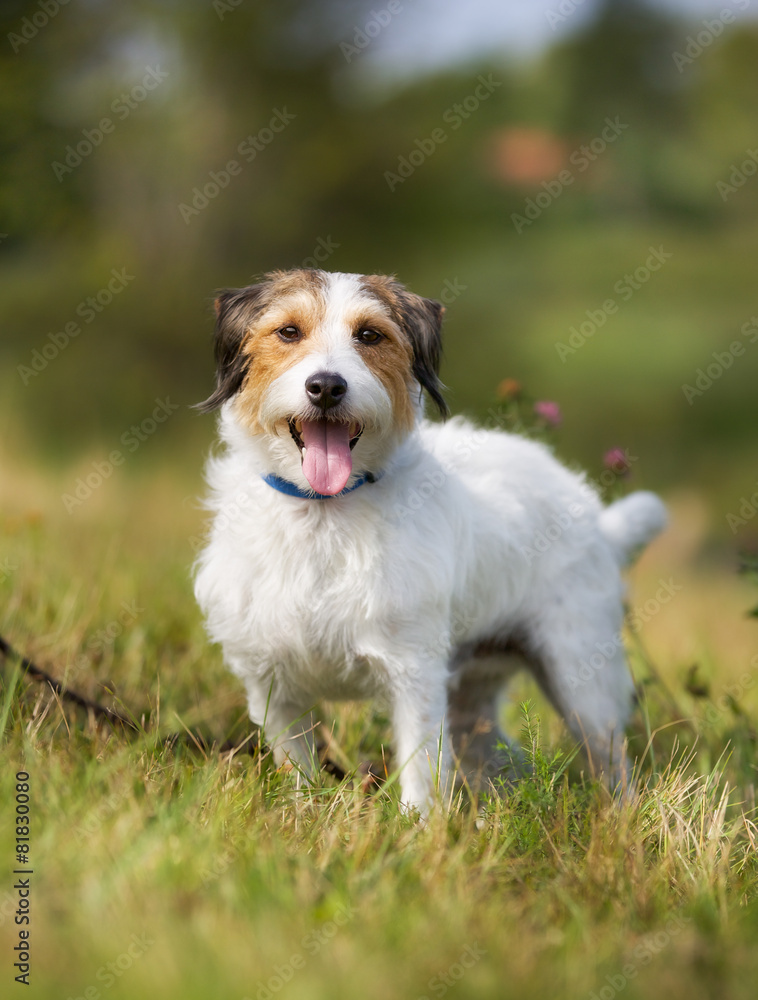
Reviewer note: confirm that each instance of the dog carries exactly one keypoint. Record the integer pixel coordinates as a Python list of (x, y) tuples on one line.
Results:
[(358, 550)]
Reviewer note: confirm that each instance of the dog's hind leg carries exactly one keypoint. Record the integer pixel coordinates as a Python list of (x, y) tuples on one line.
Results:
[(578, 658), (481, 751)]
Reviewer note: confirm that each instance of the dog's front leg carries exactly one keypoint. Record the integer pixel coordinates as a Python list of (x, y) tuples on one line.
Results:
[(287, 728), (289, 731), (422, 741)]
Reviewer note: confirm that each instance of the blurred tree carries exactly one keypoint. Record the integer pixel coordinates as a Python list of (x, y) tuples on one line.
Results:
[(33, 204), (621, 65), (229, 67)]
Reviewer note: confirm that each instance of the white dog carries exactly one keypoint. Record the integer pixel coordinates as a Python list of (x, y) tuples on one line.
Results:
[(360, 551)]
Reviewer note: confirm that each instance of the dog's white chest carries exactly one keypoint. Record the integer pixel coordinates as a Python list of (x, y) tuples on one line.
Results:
[(303, 601)]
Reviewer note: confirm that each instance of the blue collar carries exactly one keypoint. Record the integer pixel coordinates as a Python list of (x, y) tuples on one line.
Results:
[(291, 490)]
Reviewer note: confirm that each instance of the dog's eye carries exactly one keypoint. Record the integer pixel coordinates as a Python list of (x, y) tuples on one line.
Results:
[(368, 337), (290, 334)]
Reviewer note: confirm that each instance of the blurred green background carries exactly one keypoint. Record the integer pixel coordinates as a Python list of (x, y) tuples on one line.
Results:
[(477, 163)]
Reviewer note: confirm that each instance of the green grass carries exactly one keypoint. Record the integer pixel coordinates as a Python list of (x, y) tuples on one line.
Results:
[(235, 888)]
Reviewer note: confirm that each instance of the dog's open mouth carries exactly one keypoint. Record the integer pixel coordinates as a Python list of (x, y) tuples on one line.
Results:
[(325, 450)]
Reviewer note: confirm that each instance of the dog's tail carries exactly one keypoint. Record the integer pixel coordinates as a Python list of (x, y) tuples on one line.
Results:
[(629, 524)]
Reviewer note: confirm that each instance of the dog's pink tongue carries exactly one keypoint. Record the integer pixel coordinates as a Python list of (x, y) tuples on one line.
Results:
[(327, 462)]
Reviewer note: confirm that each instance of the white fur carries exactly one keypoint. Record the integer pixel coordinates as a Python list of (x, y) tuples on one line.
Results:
[(470, 537)]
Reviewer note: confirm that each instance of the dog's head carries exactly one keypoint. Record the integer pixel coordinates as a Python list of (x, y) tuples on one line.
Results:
[(330, 366)]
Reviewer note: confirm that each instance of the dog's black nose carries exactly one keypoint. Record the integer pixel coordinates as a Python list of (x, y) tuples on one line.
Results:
[(325, 389)]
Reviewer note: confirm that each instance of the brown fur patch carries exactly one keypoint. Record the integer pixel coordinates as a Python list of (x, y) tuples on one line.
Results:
[(294, 298), (390, 360), (421, 321)]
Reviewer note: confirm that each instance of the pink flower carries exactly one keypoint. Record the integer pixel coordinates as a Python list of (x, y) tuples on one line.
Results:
[(617, 461), (549, 412)]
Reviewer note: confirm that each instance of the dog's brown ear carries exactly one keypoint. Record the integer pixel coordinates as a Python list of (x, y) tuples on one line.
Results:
[(422, 319), (235, 310)]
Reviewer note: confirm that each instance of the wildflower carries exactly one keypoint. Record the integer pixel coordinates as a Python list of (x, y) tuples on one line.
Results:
[(549, 412), (509, 388), (617, 461)]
